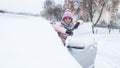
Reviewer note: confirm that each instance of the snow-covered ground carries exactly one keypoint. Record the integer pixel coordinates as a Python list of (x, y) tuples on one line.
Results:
[(108, 55), (99, 30)]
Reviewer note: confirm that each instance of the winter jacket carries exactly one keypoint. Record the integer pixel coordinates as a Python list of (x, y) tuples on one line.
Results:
[(61, 29)]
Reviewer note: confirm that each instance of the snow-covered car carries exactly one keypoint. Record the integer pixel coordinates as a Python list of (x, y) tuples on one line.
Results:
[(31, 42), (83, 46), (84, 50)]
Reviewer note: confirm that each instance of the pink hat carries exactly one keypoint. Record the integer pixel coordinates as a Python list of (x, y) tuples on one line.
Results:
[(67, 14)]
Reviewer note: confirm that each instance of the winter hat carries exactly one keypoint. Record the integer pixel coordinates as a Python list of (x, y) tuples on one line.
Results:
[(67, 14)]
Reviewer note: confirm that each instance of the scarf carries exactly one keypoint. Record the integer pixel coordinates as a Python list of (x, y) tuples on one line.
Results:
[(68, 26)]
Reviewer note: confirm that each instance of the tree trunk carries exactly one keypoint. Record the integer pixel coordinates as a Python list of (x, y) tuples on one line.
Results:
[(90, 11), (100, 15), (98, 18)]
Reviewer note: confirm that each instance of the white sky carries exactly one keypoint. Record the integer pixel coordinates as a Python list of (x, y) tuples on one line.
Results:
[(31, 6)]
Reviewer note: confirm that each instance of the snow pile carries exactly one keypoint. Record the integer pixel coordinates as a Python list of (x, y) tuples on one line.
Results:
[(82, 36), (81, 41), (31, 42), (83, 29)]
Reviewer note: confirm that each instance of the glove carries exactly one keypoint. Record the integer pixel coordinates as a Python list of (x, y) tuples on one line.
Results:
[(69, 32), (76, 25)]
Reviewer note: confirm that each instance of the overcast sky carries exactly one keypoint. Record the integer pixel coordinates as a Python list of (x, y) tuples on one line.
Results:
[(24, 5)]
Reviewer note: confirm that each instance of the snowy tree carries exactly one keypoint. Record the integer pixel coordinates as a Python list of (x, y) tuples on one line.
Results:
[(92, 10), (52, 11), (86, 8), (49, 5), (58, 12), (112, 7), (1, 11)]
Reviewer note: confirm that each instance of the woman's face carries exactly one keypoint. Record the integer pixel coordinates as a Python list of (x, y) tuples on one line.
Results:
[(67, 20)]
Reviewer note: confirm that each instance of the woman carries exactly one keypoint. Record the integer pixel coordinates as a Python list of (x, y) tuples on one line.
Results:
[(66, 26)]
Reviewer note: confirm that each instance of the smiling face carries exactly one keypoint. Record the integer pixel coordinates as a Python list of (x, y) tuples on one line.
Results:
[(67, 20)]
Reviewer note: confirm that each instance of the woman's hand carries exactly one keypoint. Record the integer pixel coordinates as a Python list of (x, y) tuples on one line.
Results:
[(69, 32), (81, 22)]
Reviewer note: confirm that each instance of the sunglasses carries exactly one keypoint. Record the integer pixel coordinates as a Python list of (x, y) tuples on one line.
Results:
[(67, 18)]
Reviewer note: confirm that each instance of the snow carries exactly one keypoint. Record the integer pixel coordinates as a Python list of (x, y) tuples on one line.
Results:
[(84, 29), (26, 32), (31, 42), (99, 30), (108, 55), (85, 56)]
